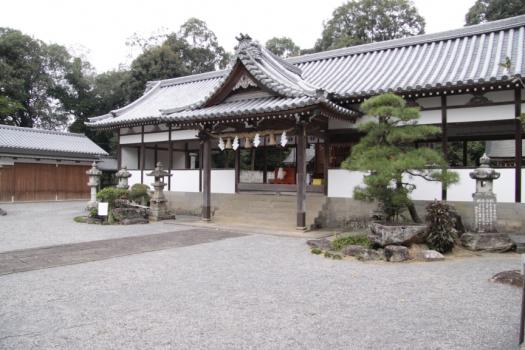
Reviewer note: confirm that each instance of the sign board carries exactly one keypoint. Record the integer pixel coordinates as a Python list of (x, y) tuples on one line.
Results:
[(103, 209)]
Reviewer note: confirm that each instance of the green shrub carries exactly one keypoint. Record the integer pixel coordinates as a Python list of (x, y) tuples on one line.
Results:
[(316, 251), (341, 242), (441, 233), (93, 212), (80, 219), (139, 194), (110, 194)]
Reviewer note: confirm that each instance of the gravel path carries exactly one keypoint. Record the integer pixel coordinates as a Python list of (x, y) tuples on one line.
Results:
[(32, 225), (260, 292)]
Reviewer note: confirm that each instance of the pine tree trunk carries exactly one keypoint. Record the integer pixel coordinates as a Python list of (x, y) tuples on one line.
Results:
[(413, 213)]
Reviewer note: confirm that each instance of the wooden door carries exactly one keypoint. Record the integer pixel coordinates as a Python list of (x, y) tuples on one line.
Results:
[(7, 178)]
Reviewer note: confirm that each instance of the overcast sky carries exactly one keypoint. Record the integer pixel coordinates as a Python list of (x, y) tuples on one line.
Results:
[(99, 28)]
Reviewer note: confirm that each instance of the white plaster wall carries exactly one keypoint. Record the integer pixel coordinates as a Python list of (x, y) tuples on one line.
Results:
[(425, 190), (430, 117), (130, 157), (183, 135), (476, 114), (156, 137), (185, 180), (223, 181), (135, 178), (126, 139), (341, 183)]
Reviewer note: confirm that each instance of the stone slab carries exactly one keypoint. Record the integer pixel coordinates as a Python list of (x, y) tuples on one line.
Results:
[(68, 254)]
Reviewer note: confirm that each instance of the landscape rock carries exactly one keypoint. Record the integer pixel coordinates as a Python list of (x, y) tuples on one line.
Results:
[(353, 250), (322, 243), (432, 255), (371, 254), (513, 278), (2, 212), (396, 253), (489, 242), (130, 216), (384, 235)]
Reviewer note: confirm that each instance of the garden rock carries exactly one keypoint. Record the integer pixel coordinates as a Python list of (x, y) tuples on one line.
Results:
[(2, 212), (513, 278), (384, 235), (489, 242), (432, 255), (371, 254), (396, 253), (322, 243), (353, 250), (130, 216)]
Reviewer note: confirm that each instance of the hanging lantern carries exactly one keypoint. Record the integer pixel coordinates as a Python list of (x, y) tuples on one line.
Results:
[(235, 144), (221, 144), (284, 139), (228, 143), (247, 143), (256, 140), (272, 141)]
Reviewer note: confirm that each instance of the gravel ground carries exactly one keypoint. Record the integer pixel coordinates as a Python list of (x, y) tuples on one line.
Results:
[(260, 292), (31, 225)]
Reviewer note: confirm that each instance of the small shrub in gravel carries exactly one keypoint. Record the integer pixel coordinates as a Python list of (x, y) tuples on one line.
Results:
[(139, 194), (316, 251), (441, 234), (341, 242)]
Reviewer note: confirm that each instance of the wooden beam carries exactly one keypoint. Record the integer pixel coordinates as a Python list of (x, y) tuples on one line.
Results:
[(170, 157), (444, 140), (518, 145), (206, 177), (301, 175)]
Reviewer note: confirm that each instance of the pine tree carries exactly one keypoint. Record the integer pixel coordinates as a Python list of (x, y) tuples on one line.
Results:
[(388, 155)]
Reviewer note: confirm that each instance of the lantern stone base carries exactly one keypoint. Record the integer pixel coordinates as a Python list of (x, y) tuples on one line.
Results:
[(159, 211)]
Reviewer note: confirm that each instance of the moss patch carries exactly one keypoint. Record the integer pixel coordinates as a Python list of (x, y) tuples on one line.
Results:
[(80, 219)]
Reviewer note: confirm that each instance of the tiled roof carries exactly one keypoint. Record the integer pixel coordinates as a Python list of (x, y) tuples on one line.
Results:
[(243, 108), (465, 56), (17, 140)]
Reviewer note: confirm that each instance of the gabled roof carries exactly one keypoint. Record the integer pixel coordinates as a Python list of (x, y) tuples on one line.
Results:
[(461, 57), (27, 141)]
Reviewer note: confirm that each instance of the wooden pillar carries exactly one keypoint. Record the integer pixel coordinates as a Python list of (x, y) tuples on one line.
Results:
[(518, 145), (206, 177), (155, 154), (465, 153), (119, 151), (170, 157), (300, 152), (265, 165), (444, 140), (142, 155), (187, 160), (326, 164), (200, 165), (237, 168)]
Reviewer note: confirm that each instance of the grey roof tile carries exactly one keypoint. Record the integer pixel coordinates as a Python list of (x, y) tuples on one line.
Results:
[(469, 55), (44, 142)]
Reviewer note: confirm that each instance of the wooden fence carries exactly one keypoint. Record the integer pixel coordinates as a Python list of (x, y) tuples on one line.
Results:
[(43, 182)]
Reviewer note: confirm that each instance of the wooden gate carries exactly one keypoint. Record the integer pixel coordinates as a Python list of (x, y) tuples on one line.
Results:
[(43, 182)]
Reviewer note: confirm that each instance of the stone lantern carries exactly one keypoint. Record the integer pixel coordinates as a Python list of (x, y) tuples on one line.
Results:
[(123, 175), (484, 198), (158, 203), (94, 180)]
